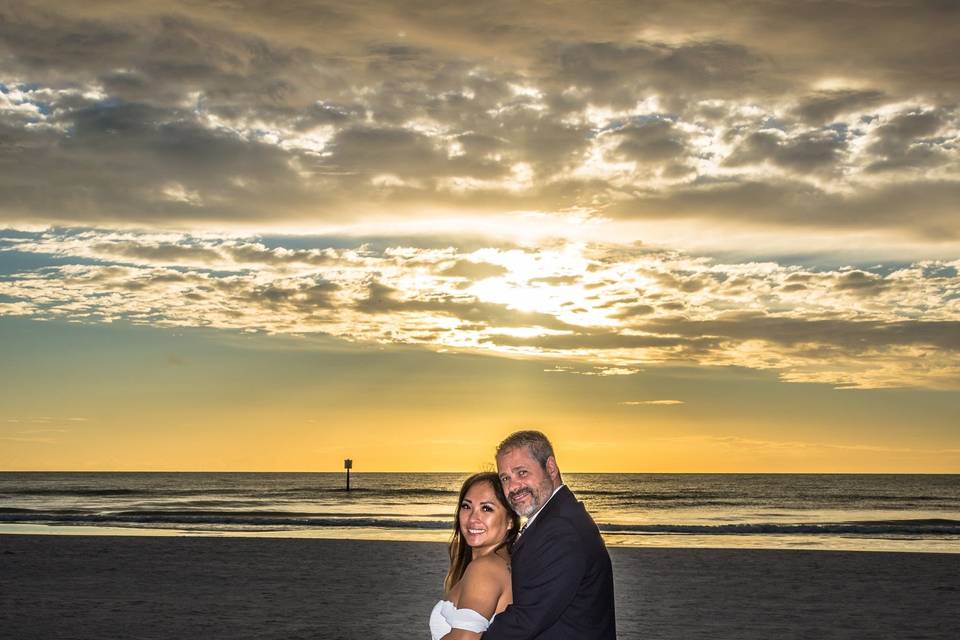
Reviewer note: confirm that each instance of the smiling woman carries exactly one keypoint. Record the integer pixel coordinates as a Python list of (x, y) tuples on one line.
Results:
[(477, 586), (483, 523)]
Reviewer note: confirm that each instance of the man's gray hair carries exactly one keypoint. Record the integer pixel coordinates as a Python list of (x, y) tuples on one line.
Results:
[(537, 443)]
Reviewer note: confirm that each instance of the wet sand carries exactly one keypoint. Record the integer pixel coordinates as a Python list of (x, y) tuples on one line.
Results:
[(192, 587)]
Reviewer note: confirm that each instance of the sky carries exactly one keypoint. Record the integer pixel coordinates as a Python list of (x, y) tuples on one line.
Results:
[(252, 236)]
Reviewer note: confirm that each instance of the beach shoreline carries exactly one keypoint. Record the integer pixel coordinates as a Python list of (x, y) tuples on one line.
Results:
[(232, 587), (890, 544)]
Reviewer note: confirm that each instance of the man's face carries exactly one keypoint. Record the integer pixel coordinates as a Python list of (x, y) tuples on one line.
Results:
[(525, 482)]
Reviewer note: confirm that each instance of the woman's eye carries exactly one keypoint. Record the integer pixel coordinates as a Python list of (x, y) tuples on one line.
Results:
[(464, 506), (488, 508)]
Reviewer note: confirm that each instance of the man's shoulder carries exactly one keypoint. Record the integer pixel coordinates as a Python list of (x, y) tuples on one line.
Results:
[(566, 521), (569, 509)]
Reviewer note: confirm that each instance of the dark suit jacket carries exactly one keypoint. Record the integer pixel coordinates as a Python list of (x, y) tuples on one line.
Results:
[(562, 579)]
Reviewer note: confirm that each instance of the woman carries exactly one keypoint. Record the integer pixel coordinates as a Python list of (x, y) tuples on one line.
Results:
[(477, 586)]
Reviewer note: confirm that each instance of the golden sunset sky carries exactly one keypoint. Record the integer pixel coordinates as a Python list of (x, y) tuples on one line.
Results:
[(712, 236)]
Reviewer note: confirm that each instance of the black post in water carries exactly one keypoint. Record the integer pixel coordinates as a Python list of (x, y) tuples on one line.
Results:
[(348, 464)]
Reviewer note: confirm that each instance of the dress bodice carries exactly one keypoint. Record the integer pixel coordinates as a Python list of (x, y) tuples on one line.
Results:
[(445, 616)]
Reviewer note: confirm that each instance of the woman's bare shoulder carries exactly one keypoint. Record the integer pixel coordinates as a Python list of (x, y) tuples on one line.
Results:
[(492, 565), (484, 584)]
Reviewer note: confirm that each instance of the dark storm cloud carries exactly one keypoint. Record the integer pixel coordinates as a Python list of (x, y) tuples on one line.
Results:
[(406, 39), (548, 144), (907, 142), (619, 73), (400, 152), (120, 162), (378, 150), (154, 55), (183, 114), (824, 106), (852, 336), (654, 141), (862, 283), (925, 208), (805, 152)]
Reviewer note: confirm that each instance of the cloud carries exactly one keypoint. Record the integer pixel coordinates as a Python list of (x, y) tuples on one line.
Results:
[(824, 106), (382, 299), (786, 204), (164, 252), (658, 403), (630, 307), (806, 152), (474, 270), (188, 117), (791, 446), (169, 153), (613, 71), (654, 141), (906, 142)]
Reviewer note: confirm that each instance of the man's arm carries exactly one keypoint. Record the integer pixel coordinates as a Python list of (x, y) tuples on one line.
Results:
[(545, 586)]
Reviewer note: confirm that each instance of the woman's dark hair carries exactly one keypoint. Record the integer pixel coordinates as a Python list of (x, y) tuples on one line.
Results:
[(460, 552)]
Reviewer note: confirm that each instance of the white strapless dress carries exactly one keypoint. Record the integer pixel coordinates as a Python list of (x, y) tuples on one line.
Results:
[(445, 617)]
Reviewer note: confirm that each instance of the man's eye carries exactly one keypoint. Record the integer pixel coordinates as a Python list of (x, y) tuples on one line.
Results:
[(521, 473)]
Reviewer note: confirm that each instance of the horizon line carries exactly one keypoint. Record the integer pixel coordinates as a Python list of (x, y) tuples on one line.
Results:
[(355, 473)]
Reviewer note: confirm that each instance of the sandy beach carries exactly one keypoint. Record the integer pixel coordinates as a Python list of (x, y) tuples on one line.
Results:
[(193, 587)]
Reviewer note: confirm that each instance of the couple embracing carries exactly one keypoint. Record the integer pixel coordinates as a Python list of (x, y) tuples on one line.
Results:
[(549, 579)]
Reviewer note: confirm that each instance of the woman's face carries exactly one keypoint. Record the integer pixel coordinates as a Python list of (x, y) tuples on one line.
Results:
[(484, 522)]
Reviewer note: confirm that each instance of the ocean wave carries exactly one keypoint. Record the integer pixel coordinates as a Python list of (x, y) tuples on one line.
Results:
[(880, 527), (227, 519), (218, 520), (77, 491), (259, 493), (740, 496)]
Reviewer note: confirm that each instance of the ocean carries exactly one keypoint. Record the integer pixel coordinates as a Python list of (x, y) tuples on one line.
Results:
[(805, 511)]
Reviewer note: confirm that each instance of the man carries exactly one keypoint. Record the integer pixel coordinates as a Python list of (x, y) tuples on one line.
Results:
[(561, 572)]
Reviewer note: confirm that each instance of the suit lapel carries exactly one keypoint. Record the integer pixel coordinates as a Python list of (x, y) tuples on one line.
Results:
[(563, 495)]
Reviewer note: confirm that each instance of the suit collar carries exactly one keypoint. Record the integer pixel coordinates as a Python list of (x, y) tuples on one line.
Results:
[(536, 515), (561, 496)]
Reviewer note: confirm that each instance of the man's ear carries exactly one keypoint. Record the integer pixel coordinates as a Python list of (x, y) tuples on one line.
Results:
[(553, 470)]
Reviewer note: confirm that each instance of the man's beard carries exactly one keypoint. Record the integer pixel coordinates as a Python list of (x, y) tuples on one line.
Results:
[(537, 498)]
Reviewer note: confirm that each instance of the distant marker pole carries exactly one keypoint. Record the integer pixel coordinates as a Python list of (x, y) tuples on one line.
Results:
[(348, 464)]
